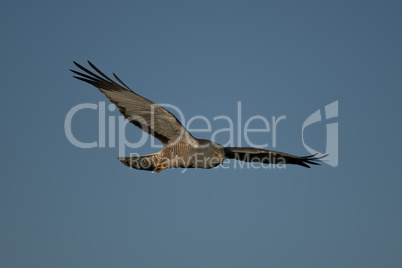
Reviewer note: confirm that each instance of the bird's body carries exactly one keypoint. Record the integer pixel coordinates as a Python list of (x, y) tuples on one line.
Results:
[(180, 155), (181, 149)]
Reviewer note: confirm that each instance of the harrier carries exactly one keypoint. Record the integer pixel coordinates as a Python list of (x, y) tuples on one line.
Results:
[(181, 149)]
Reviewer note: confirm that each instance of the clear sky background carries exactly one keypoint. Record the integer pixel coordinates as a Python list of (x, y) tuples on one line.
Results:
[(62, 206)]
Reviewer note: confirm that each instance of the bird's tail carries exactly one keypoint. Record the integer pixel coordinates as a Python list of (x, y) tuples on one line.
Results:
[(144, 162)]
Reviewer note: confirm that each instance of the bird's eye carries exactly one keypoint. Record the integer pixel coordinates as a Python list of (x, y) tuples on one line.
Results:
[(216, 155)]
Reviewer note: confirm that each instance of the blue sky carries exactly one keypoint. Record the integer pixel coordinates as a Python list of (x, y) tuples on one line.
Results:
[(63, 206)]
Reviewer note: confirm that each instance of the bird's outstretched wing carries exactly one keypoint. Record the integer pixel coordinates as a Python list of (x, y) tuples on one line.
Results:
[(145, 114), (250, 154)]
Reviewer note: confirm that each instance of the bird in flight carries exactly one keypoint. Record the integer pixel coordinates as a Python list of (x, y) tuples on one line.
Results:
[(181, 149)]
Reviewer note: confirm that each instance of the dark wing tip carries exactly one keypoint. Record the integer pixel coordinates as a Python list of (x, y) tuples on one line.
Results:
[(94, 83), (311, 159), (118, 79), (304, 165), (77, 64), (97, 78)]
